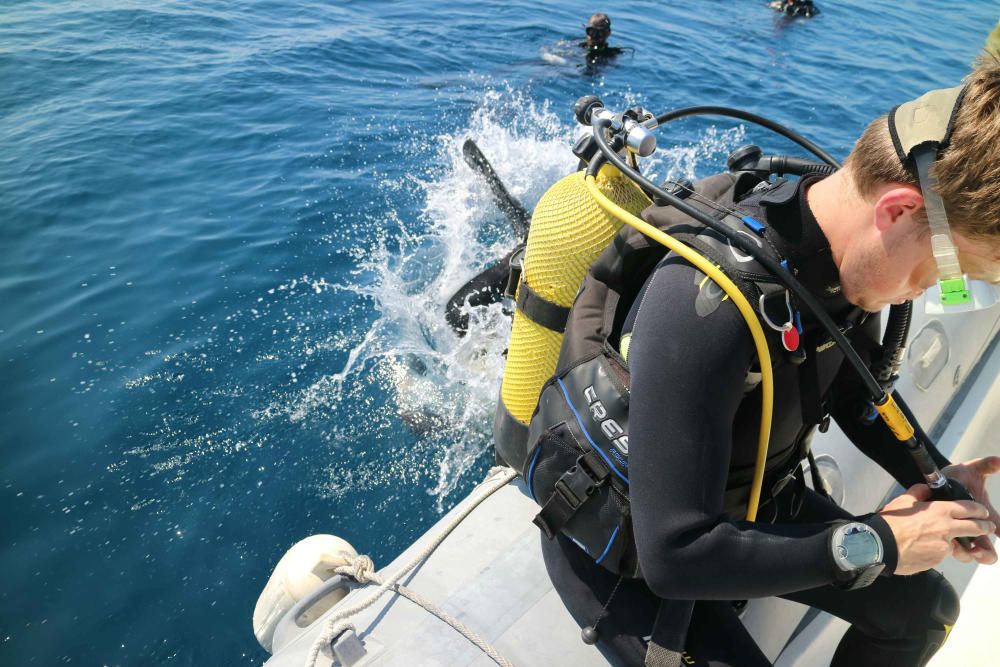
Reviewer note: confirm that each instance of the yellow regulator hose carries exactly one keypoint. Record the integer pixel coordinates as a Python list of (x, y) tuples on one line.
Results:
[(727, 285)]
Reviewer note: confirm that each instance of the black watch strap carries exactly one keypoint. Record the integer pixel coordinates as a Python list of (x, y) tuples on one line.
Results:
[(858, 577), (855, 579)]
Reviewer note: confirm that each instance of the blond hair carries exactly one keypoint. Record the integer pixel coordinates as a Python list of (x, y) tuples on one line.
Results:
[(968, 170)]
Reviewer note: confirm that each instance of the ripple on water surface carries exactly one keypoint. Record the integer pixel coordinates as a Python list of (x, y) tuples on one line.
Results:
[(228, 234)]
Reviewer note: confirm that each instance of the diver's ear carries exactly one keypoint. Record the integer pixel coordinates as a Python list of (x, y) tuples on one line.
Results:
[(897, 203)]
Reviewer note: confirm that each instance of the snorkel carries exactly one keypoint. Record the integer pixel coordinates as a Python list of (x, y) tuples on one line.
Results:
[(631, 132), (920, 130)]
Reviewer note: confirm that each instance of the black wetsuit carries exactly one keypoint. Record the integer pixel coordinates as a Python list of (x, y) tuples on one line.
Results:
[(693, 420), (600, 52), (804, 8)]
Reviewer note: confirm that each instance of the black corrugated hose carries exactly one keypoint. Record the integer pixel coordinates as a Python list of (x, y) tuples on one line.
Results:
[(897, 329)]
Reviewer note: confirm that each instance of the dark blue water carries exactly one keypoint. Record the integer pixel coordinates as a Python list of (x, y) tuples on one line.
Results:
[(227, 231)]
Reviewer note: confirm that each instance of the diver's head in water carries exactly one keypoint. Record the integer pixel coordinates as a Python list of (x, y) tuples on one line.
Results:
[(598, 31)]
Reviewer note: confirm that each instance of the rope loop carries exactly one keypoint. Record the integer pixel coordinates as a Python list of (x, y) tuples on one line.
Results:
[(363, 569)]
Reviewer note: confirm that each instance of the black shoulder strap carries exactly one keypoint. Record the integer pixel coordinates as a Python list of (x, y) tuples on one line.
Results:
[(753, 279), (735, 204)]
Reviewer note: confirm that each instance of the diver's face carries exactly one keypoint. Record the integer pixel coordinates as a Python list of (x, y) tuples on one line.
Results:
[(597, 35), (878, 272), (898, 266)]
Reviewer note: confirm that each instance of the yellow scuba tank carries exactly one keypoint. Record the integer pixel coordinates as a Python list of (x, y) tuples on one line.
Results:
[(569, 229)]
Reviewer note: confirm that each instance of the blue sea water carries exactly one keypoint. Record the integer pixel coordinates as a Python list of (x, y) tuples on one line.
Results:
[(227, 231)]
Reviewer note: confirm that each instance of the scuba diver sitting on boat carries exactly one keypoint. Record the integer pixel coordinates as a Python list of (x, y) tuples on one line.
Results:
[(658, 373), (804, 8)]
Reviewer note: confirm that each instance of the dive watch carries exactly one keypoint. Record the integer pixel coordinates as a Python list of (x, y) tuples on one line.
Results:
[(857, 550)]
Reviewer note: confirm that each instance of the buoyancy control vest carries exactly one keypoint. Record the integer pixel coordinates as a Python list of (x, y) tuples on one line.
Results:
[(574, 458)]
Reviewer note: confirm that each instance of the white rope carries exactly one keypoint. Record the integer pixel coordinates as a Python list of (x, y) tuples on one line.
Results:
[(444, 616), (363, 571)]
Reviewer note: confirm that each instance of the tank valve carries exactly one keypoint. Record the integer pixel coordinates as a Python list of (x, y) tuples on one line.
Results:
[(639, 139)]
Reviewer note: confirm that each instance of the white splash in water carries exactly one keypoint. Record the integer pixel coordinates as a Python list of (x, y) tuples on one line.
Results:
[(681, 162), (413, 402), (444, 387)]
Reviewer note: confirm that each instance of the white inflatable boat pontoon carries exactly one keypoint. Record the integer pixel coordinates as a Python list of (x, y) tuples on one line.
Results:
[(488, 573)]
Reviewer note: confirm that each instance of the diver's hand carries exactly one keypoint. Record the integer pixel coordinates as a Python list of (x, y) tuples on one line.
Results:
[(924, 530), (972, 475)]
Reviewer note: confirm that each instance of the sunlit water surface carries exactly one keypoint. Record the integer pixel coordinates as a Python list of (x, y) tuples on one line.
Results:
[(227, 233)]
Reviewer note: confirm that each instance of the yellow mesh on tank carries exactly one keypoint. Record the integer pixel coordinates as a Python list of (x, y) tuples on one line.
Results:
[(531, 346), (568, 231)]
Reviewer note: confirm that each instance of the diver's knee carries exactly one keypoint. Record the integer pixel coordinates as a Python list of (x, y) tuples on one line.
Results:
[(944, 610), (932, 605), (946, 603)]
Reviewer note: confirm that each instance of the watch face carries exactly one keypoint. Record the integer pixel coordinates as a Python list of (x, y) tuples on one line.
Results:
[(858, 546)]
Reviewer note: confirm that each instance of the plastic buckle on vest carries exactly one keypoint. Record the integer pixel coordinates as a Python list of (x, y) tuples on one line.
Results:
[(594, 467), (570, 491), (575, 486), (578, 483)]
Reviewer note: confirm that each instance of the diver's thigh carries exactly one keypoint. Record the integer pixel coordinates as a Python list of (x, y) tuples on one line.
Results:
[(892, 607), (810, 507), (898, 621), (585, 589)]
